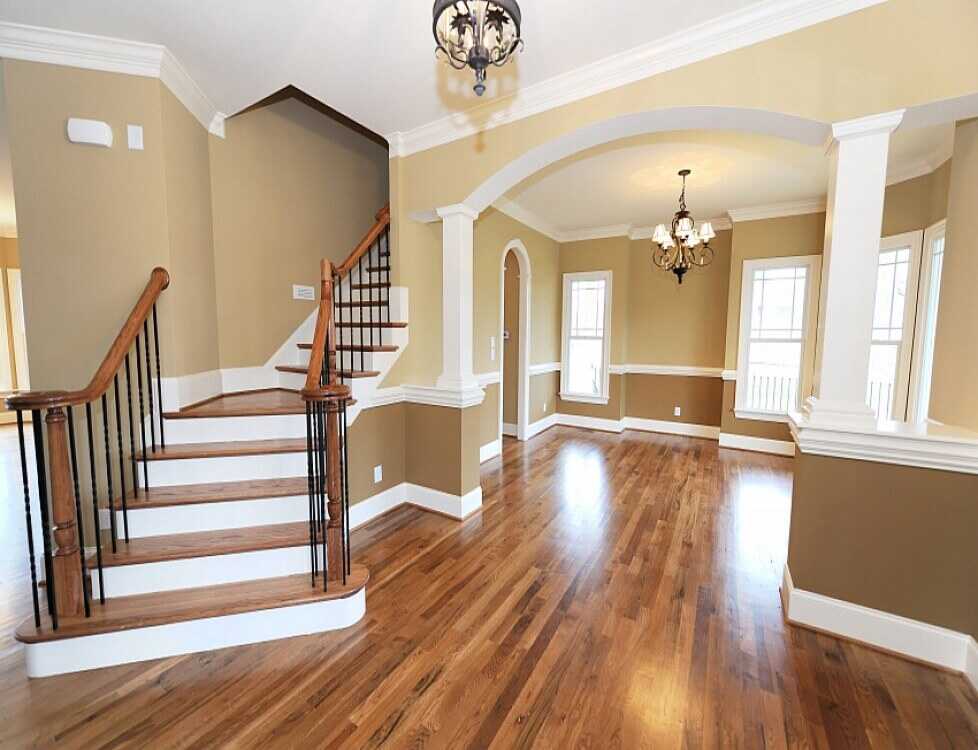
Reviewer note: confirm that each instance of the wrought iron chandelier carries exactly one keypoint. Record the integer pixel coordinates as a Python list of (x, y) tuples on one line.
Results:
[(477, 34), (684, 246)]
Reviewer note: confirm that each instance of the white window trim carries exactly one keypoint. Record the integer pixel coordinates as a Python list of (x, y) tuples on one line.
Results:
[(813, 264), (565, 395), (915, 407)]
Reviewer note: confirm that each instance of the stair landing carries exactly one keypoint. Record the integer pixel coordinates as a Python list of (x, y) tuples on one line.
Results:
[(244, 404)]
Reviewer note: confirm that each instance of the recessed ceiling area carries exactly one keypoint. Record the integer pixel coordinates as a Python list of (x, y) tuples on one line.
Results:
[(634, 182)]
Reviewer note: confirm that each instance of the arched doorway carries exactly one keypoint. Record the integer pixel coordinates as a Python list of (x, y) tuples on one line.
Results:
[(514, 335)]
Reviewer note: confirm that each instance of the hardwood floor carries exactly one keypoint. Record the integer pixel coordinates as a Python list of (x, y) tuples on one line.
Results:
[(616, 591)]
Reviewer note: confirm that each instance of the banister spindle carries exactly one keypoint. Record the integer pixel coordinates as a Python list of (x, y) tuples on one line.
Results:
[(122, 461), (132, 434), (149, 390), (78, 510), (108, 472), (95, 506), (27, 516), (42, 501), (159, 376), (142, 420)]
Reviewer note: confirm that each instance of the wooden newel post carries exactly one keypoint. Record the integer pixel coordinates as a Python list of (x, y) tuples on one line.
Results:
[(66, 555), (334, 507)]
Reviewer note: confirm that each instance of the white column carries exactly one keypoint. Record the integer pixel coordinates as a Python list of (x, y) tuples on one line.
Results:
[(457, 234), (857, 181)]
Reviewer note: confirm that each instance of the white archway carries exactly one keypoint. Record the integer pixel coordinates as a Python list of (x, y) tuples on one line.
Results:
[(759, 121), (523, 363)]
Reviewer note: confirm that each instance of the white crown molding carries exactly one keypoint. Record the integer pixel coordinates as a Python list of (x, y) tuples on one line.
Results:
[(900, 635), (457, 209), (528, 218), (922, 166), (777, 210), (595, 233), (92, 52), (925, 446), (883, 122), (756, 23), (544, 368)]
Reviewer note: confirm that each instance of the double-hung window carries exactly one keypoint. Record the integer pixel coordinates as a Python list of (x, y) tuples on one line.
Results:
[(929, 295), (585, 350), (777, 335)]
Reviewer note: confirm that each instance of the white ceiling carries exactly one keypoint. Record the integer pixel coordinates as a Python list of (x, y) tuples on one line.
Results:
[(634, 182), (373, 60)]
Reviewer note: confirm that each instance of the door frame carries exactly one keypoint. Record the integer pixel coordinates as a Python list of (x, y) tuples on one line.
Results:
[(519, 251)]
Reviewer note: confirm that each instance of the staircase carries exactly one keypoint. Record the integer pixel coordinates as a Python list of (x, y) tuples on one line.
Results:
[(222, 523)]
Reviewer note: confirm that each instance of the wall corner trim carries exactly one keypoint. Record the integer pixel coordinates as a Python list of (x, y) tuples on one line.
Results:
[(112, 55), (894, 633)]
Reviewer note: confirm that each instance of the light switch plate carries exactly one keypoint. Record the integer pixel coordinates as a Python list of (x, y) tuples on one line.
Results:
[(677, 412), (303, 292), (378, 474), (135, 136)]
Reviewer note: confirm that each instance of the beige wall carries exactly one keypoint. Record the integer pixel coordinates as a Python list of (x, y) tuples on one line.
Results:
[(656, 396), (511, 346), (954, 394), (290, 186), (543, 395), (894, 538), (377, 438), (614, 409), (917, 203), (677, 324)]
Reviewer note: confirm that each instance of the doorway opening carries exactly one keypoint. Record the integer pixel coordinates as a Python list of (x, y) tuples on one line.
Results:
[(514, 335)]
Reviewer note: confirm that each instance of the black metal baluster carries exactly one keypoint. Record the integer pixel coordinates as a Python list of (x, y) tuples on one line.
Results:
[(95, 508), (321, 448), (311, 480), (159, 376), (42, 499), (108, 470), (132, 434), (78, 513), (122, 462), (346, 497), (363, 340), (142, 420), (370, 296), (149, 390), (387, 275), (27, 517)]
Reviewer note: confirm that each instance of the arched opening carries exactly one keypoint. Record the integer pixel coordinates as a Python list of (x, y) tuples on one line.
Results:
[(514, 335)]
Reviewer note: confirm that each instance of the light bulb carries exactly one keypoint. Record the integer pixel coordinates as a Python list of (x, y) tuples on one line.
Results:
[(660, 234)]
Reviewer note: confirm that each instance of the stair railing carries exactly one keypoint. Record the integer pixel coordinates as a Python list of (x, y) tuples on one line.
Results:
[(369, 260), (326, 446), (60, 493)]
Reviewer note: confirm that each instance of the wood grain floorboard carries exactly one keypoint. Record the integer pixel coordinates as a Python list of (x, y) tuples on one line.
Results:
[(616, 591)]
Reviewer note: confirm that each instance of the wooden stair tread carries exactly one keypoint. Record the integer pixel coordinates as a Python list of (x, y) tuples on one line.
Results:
[(373, 285), (377, 269), (369, 324), (224, 449), (365, 303), (204, 544), (271, 401), (214, 492), (163, 608), (303, 370), (358, 347)]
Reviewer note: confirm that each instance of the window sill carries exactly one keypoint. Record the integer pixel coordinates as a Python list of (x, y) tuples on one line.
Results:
[(761, 416), (583, 399)]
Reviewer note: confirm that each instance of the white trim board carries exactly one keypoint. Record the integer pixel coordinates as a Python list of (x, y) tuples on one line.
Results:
[(760, 21), (490, 450), (899, 635), (458, 507), (758, 445), (93, 52)]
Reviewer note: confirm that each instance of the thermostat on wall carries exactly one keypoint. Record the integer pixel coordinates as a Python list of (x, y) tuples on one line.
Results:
[(94, 132)]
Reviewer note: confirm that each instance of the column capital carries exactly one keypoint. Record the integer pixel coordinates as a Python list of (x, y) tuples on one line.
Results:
[(884, 122), (457, 209)]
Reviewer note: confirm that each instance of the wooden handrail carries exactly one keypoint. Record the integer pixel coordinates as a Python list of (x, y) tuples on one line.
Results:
[(324, 331), (383, 221), (159, 280)]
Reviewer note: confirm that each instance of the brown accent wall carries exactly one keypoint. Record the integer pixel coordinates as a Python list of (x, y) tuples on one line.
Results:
[(614, 409), (748, 427), (442, 447), (511, 346), (290, 187), (376, 439), (543, 395), (678, 324), (954, 394), (489, 415), (895, 538), (9, 254), (655, 396)]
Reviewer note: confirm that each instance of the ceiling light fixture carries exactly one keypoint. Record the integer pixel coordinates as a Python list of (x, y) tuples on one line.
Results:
[(683, 247), (477, 34)]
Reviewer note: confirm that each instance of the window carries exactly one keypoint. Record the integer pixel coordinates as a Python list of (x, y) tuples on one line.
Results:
[(922, 363), (777, 319), (586, 334), (887, 388)]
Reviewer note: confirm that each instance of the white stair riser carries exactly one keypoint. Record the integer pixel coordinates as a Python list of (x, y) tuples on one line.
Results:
[(237, 514), (226, 469), (140, 644), (220, 429), (170, 575)]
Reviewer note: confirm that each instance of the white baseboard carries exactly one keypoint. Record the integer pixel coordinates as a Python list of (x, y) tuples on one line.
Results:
[(761, 445), (249, 378), (672, 428), (540, 425), (490, 450), (509, 429), (900, 635), (139, 644), (179, 392), (442, 502), (592, 423)]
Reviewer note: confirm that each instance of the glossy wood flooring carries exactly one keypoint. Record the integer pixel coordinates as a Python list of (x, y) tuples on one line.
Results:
[(616, 591)]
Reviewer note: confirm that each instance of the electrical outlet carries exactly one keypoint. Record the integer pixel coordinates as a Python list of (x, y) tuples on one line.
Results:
[(378, 474), (303, 292), (677, 412)]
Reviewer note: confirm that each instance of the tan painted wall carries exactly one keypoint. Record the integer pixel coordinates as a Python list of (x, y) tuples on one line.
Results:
[(655, 396), (673, 324), (377, 438), (489, 415), (917, 203), (894, 538), (9, 254), (92, 221), (749, 427), (543, 395), (954, 395), (290, 187), (191, 305), (511, 345), (614, 409), (442, 447)]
